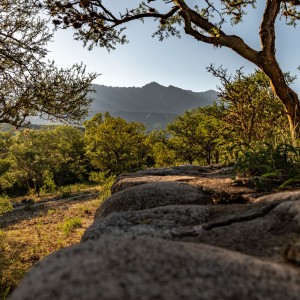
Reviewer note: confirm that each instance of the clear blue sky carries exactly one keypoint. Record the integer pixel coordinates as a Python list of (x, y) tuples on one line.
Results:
[(179, 62)]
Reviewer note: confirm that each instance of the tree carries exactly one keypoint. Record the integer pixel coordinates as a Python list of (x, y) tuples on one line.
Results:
[(96, 24), (253, 112), (6, 161), (45, 156), (113, 145), (161, 154), (196, 134), (70, 164), (28, 84)]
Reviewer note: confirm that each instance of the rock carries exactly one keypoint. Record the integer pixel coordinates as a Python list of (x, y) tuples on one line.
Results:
[(278, 197), (152, 195), (165, 222), (125, 181), (292, 253), (261, 231), (236, 227), (149, 268), (176, 170)]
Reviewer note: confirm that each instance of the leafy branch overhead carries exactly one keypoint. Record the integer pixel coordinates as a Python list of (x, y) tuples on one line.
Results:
[(96, 23), (30, 85)]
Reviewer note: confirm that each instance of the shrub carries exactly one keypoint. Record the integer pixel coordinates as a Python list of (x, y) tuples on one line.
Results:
[(70, 224), (65, 192), (105, 181), (267, 163), (5, 205), (258, 159)]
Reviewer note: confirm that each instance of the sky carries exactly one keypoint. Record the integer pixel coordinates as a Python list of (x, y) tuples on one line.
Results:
[(178, 62)]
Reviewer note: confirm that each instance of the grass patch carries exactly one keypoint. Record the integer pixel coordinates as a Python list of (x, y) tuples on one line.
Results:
[(27, 236), (69, 225), (5, 205)]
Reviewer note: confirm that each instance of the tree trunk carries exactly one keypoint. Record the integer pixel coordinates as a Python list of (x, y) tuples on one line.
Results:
[(287, 96), (208, 158)]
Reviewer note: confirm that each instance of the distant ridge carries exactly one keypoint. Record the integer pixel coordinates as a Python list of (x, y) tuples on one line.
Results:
[(153, 104), (152, 97)]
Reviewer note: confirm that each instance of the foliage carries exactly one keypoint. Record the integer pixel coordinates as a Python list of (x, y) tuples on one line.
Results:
[(253, 112), (65, 192), (71, 164), (43, 159), (70, 224), (28, 84), (5, 205), (105, 182), (114, 145), (195, 135), (160, 155), (48, 182), (269, 162), (6, 178)]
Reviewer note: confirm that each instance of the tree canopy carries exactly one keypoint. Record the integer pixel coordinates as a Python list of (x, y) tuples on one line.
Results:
[(29, 161), (114, 145), (30, 85), (96, 24), (252, 111), (196, 134)]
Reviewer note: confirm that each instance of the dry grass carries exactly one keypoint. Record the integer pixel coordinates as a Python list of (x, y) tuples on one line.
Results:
[(30, 234)]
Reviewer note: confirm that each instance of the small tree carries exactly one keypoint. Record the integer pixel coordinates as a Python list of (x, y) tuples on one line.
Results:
[(71, 165), (253, 112), (161, 154), (195, 135), (114, 145), (45, 158)]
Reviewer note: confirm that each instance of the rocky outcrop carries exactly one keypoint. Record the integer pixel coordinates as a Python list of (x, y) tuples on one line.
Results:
[(168, 234), (150, 195)]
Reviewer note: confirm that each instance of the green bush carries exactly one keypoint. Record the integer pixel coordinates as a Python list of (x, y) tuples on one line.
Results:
[(259, 159), (5, 205), (65, 192), (70, 224), (105, 181), (49, 185), (268, 163)]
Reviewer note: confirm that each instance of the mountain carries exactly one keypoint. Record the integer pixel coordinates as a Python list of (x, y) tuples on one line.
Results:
[(152, 97), (153, 104)]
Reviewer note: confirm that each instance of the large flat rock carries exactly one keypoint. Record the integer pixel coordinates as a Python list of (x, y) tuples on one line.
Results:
[(261, 229), (150, 268), (152, 195), (164, 222), (125, 181), (217, 182)]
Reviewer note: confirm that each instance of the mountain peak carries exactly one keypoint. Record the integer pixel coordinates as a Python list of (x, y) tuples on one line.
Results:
[(152, 84)]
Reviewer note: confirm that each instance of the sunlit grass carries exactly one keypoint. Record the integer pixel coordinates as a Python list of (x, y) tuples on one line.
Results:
[(28, 235)]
